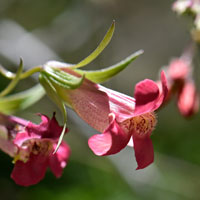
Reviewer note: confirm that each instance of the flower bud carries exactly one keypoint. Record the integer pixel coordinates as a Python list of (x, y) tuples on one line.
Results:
[(188, 100)]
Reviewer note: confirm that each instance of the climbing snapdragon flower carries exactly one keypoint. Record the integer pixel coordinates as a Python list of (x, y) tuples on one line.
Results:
[(32, 148), (118, 116)]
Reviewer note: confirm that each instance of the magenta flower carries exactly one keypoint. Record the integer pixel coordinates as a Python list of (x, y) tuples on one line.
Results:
[(118, 117), (33, 149)]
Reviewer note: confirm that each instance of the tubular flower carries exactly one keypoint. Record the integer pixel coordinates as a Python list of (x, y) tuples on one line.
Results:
[(179, 74), (32, 147), (118, 116), (188, 99)]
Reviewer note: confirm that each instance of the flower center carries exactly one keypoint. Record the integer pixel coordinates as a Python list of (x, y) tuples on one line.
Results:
[(34, 146), (43, 147), (140, 125)]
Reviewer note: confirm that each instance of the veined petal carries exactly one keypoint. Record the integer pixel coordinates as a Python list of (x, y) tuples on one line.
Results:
[(31, 172), (119, 103), (148, 95), (144, 152), (91, 104), (58, 161), (111, 141)]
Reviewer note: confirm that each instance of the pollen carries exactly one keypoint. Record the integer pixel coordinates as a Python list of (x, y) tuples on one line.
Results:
[(140, 125), (41, 147)]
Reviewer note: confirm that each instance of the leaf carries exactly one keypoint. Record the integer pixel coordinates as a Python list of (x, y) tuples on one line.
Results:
[(21, 100), (99, 76), (14, 82), (52, 93), (99, 49)]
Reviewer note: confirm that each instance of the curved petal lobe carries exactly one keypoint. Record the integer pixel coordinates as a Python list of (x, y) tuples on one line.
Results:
[(144, 153), (58, 161), (111, 141), (31, 172), (148, 95)]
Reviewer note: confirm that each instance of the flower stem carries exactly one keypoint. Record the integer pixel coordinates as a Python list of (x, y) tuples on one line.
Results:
[(24, 75)]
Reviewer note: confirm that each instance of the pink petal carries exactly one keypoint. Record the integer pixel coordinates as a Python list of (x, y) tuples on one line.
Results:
[(111, 141), (188, 100), (6, 145), (144, 152), (119, 103), (179, 69), (91, 104), (148, 95), (58, 161), (31, 172), (37, 129), (21, 137), (48, 128)]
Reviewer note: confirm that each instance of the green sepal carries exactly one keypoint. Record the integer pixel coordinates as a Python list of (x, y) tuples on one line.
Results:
[(62, 78), (52, 93), (14, 82), (99, 76), (21, 100), (98, 50)]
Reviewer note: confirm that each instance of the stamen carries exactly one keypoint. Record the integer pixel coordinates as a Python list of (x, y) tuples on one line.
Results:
[(43, 147), (140, 125)]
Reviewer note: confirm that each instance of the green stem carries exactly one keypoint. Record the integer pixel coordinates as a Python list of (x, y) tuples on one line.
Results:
[(31, 72), (14, 82), (24, 75)]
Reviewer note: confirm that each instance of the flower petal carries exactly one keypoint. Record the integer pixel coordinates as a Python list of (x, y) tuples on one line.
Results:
[(119, 103), (188, 100), (148, 95), (6, 145), (58, 161), (111, 141), (48, 128), (31, 172), (91, 104), (144, 153)]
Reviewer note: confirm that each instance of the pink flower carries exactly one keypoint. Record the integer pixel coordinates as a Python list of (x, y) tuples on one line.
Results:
[(179, 70), (179, 75), (35, 145), (118, 116), (188, 99)]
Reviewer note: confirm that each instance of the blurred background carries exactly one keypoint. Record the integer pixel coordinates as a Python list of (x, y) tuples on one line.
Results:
[(67, 31)]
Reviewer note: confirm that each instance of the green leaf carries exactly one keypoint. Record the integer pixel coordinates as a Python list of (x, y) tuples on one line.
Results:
[(62, 78), (99, 49), (21, 100), (99, 76), (52, 93), (14, 82)]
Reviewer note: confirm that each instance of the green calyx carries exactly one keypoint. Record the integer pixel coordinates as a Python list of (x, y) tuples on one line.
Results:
[(61, 78)]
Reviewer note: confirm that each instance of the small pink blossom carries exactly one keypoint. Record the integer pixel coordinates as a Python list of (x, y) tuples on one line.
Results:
[(118, 116), (179, 70), (33, 148), (188, 99), (179, 75)]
